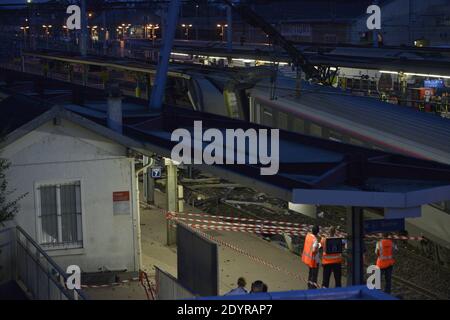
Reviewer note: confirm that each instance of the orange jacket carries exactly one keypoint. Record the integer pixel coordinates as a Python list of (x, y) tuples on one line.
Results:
[(385, 250), (329, 258), (309, 252)]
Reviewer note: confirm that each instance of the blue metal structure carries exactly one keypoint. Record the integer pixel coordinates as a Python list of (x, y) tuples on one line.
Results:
[(347, 293), (158, 89), (229, 29)]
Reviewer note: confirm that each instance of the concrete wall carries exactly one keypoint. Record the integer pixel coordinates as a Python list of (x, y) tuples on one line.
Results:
[(66, 152)]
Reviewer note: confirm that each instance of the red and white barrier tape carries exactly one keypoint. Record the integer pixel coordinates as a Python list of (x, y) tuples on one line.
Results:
[(242, 219), (232, 224), (246, 229), (113, 284), (265, 226), (393, 237)]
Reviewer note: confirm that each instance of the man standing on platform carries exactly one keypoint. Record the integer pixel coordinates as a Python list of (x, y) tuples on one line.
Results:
[(332, 258), (310, 256), (385, 252)]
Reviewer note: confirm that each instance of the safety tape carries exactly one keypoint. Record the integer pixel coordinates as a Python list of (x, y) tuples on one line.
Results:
[(262, 226), (113, 284), (393, 237), (242, 219), (246, 229), (267, 227), (240, 227), (251, 256)]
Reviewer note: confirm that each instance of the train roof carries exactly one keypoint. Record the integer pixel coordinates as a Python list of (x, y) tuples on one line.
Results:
[(362, 115)]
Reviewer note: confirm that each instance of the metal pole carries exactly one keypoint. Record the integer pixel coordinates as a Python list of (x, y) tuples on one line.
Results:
[(355, 275), (229, 29), (83, 42), (157, 96), (196, 22), (172, 198)]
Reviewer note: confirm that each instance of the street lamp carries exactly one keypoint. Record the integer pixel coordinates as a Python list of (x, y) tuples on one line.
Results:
[(25, 29), (151, 31), (186, 27), (47, 32), (47, 27), (222, 30)]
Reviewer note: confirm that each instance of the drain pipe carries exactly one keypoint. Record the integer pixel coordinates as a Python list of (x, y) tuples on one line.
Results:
[(137, 219)]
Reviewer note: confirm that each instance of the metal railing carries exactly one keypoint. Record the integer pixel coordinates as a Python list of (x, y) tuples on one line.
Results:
[(33, 269)]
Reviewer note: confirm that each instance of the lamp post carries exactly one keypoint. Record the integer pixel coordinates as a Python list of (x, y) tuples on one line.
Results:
[(25, 30), (196, 21), (222, 30), (186, 27), (47, 32), (151, 31)]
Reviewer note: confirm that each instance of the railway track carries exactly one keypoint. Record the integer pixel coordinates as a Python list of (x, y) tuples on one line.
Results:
[(411, 291)]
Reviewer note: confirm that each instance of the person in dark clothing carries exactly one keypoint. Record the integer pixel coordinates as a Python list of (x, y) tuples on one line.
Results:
[(257, 287), (331, 261)]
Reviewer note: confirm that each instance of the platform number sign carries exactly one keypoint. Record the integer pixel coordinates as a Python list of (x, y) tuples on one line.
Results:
[(156, 172)]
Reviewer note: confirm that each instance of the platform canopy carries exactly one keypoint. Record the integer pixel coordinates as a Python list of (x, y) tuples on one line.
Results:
[(313, 170)]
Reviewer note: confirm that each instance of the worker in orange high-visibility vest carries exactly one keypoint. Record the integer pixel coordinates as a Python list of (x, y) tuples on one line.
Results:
[(385, 252), (331, 262), (310, 256)]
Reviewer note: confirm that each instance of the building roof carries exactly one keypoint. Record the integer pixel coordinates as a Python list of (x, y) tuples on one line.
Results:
[(21, 115)]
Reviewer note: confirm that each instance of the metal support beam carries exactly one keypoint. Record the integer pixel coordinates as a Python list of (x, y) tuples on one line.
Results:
[(172, 198), (355, 274), (157, 96), (84, 30), (229, 29), (150, 191)]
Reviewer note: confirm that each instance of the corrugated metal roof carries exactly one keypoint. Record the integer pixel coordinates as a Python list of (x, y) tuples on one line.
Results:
[(427, 129)]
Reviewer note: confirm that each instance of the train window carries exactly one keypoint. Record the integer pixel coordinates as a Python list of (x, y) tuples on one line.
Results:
[(356, 142), (282, 120), (267, 117), (315, 130), (299, 125), (335, 136)]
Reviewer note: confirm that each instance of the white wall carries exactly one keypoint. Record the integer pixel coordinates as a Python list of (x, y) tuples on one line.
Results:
[(69, 152)]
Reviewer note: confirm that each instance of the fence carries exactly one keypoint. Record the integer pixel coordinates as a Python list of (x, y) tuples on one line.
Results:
[(23, 260), (168, 288)]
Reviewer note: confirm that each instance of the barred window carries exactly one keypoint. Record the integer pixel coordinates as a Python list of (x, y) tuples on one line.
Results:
[(60, 216)]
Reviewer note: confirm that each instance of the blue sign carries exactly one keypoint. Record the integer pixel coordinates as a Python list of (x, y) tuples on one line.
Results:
[(384, 225), (435, 83), (156, 172)]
